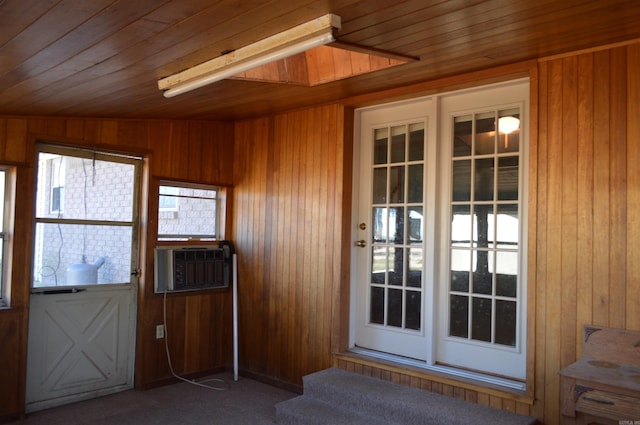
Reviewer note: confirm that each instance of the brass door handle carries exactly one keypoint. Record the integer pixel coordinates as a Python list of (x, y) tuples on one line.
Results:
[(361, 243)]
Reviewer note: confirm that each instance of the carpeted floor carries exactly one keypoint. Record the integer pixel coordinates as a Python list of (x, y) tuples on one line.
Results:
[(243, 402)]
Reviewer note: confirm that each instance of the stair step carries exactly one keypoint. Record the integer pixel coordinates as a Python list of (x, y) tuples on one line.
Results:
[(305, 410), (393, 402)]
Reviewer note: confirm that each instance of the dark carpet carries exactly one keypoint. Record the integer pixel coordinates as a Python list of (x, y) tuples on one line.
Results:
[(245, 401)]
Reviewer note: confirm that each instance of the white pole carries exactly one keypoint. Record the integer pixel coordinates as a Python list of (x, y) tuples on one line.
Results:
[(235, 317)]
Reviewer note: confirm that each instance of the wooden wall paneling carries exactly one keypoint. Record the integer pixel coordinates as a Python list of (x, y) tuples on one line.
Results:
[(318, 343), (569, 210), (618, 175), (13, 358), (286, 187), (601, 206), (176, 333), (132, 134), (74, 128), (297, 235), (91, 130), (173, 149), (585, 197), (251, 140), (287, 171), (274, 215), (15, 141), (207, 341), (3, 137), (633, 188), (532, 230), (161, 141), (109, 132), (554, 211), (217, 150)]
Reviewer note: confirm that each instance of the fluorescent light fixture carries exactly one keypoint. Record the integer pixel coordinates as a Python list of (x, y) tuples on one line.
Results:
[(301, 38)]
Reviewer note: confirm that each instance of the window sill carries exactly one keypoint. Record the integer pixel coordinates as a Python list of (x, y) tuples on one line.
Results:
[(504, 388)]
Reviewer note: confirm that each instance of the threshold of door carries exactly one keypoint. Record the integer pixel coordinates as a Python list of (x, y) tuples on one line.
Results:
[(480, 378)]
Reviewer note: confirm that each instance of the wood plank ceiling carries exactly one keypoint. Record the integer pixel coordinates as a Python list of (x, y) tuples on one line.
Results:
[(103, 58)]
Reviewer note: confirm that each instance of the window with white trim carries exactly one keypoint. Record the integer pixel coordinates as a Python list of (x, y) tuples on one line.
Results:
[(189, 211), (6, 209)]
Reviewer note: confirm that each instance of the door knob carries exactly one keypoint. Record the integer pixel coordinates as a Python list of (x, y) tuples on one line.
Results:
[(361, 243)]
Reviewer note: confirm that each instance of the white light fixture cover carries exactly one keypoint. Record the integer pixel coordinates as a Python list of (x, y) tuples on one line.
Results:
[(296, 40), (508, 125)]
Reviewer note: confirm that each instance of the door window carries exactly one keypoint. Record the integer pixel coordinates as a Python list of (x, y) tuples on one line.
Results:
[(395, 291), (85, 215)]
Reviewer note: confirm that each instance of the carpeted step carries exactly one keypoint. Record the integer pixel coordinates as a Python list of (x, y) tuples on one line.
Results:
[(396, 403), (305, 410)]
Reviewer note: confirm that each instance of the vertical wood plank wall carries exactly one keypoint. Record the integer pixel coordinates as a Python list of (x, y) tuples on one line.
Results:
[(586, 268), (289, 210), (584, 224), (182, 150)]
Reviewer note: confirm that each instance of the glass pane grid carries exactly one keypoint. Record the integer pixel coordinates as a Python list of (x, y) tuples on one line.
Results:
[(484, 237), (397, 226)]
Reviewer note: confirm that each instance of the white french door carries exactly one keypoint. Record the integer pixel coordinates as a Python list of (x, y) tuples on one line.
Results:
[(395, 197), (438, 229), (82, 307)]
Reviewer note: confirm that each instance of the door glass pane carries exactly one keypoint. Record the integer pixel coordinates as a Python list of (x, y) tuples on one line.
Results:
[(379, 185), (380, 146), (414, 310), (396, 262), (93, 189), (461, 185), (376, 313), (460, 269), (398, 142), (396, 225), (416, 142), (508, 178), (482, 224), (506, 273), (396, 185), (459, 316), (380, 224), (481, 319), (507, 226), (485, 133), (415, 225), (415, 184), (395, 308), (506, 323), (482, 277), (484, 180), (414, 267), (378, 264), (76, 254), (461, 226), (462, 135)]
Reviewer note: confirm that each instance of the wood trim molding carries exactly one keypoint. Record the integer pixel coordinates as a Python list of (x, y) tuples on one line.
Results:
[(423, 374)]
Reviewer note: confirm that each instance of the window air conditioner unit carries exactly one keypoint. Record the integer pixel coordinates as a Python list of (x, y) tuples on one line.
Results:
[(190, 268)]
